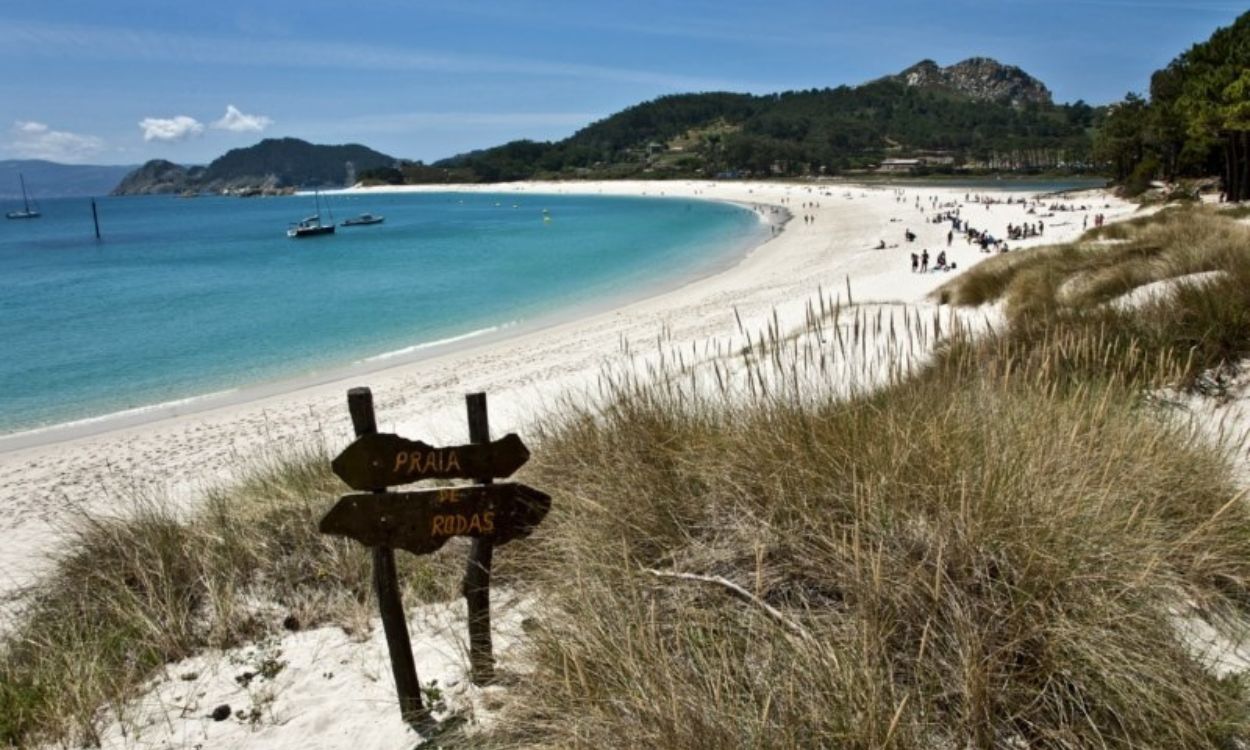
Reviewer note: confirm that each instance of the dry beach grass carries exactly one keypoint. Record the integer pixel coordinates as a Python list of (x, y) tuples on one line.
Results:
[(149, 587), (989, 554), (990, 551)]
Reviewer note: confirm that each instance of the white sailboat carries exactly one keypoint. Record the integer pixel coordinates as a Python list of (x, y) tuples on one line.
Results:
[(28, 211)]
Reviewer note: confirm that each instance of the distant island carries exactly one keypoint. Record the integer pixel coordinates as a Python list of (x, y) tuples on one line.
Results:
[(47, 179), (274, 166)]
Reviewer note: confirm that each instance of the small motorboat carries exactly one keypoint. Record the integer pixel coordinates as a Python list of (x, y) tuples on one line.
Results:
[(362, 220)]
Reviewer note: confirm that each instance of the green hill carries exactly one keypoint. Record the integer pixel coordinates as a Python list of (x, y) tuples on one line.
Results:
[(977, 114), (273, 165)]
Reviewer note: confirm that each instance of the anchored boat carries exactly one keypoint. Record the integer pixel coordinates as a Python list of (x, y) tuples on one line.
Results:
[(28, 211), (362, 220), (312, 226)]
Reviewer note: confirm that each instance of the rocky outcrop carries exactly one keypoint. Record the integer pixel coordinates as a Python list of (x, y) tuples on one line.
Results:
[(156, 177), (979, 78)]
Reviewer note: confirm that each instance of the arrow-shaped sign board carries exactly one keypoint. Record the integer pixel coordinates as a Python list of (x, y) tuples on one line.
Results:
[(421, 522), (384, 460)]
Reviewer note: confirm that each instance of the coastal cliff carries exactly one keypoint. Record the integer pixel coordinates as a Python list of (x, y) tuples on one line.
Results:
[(155, 177)]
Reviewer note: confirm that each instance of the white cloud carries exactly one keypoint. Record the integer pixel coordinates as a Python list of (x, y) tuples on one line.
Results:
[(237, 122), (170, 128), (35, 140)]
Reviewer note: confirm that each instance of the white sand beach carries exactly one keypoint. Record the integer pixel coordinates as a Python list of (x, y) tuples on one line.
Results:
[(48, 478)]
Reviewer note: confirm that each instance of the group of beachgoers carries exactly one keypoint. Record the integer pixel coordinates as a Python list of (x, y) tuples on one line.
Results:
[(920, 263), (1026, 231), (764, 210), (937, 211)]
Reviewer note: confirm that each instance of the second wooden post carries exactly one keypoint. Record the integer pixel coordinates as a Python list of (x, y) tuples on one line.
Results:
[(476, 584)]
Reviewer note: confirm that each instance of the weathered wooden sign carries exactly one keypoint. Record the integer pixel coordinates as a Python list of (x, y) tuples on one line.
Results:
[(384, 460), (421, 522)]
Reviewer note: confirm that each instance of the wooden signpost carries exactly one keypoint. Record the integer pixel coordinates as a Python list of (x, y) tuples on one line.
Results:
[(422, 521), (381, 460)]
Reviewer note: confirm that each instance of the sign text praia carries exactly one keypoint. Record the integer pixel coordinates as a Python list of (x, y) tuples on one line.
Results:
[(422, 521)]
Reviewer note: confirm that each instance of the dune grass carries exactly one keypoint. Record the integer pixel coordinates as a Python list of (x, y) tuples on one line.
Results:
[(970, 559), (1105, 262), (992, 551), (1055, 297), (150, 587)]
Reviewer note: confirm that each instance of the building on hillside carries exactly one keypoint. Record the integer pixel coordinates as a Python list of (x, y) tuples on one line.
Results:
[(900, 165)]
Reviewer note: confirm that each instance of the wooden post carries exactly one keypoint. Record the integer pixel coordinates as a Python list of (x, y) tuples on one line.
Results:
[(386, 586), (96, 218), (476, 584)]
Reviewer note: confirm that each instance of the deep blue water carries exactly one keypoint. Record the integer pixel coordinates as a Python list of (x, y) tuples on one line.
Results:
[(184, 297)]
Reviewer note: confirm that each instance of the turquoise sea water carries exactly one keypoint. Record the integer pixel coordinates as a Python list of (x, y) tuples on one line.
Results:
[(185, 297)]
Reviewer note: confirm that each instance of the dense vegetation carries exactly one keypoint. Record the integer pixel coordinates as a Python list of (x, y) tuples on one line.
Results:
[(1195, 123), (821, 131), (298, 162)]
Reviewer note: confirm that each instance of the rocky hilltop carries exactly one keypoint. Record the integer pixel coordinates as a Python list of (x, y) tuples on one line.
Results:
[(273, 166), (979, 78), (155, 177)]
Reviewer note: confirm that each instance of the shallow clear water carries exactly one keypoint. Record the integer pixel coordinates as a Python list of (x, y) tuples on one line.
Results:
[(185, 297)]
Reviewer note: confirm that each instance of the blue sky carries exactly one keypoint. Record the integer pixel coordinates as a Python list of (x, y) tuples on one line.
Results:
[(123, 81)]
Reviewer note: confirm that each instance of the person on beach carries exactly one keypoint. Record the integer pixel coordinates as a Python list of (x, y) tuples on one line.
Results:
[(950, 237), (940, 264), (915, 262), (924, 261)]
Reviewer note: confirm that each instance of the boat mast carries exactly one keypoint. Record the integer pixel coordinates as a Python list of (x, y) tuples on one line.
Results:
[(25, 201)]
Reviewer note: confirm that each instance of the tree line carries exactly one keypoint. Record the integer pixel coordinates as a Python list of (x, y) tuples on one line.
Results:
[(1195, 123), (818, 131)]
